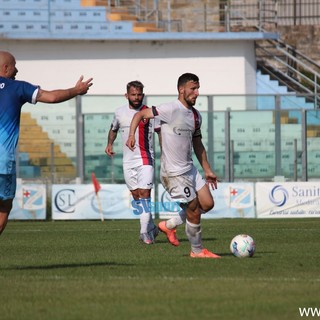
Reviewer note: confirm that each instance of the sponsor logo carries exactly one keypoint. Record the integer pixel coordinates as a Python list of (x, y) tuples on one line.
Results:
[(240, 197), (279, 195), (33, 198), (145, 205), (181, 131), (65, 200)]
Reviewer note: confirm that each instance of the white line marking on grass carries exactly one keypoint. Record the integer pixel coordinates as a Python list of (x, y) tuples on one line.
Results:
[(273, 279), (244, 279), (25, 231), (69, 230)]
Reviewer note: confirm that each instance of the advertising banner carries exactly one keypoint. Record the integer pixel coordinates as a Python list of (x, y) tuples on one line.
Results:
[(30, 202), (232, 200), (81, 202), (288, 199), (76, 202)]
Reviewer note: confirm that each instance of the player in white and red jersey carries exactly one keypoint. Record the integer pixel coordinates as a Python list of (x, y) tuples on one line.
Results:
[(138, 166), (143, 153), (180, 133), (179, 126)]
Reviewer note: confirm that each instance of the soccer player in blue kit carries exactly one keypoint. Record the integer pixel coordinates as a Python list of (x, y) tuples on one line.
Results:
[(13, 95)]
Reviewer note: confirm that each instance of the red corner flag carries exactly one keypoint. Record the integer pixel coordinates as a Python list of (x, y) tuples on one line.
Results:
[(95, 182), (97, 187)]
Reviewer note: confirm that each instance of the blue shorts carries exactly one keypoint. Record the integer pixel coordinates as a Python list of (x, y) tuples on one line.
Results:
[(8, 186)]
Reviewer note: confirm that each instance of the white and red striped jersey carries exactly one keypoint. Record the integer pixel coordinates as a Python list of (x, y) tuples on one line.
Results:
[(143, 153), (179, 125)]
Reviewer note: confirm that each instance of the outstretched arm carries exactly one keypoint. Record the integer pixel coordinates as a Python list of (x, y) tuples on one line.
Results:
[(143, 114), (60, 95), (201, 155)]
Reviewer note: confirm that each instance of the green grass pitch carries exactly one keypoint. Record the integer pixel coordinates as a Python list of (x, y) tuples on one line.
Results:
[(93, 270)]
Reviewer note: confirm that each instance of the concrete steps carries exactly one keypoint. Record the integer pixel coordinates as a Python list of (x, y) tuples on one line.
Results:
[(121, 13), (289, 99), (146, 27)]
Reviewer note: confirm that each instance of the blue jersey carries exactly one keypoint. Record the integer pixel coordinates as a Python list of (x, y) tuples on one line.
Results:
[(13, 95)]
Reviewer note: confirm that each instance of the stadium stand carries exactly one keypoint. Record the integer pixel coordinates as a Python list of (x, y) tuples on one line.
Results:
[(35, 153), (56, 16), (69, 17), (122, 13), (253, 137)]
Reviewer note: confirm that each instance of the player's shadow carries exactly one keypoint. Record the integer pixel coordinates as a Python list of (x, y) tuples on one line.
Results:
[(158, 241), (209, 239), (68, 265), (164, 240)]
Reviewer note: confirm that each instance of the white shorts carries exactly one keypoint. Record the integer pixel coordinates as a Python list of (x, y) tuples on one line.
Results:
[(139, 177), (183, 188)]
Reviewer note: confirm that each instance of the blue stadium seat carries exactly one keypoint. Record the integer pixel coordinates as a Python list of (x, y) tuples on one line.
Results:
[(58, 16)]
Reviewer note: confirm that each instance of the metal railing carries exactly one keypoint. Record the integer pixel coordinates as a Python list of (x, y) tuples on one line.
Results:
[(290, 67), (269, 14), (273, 135), (227, 15), (141, 9), (148, 11), (264, 14)]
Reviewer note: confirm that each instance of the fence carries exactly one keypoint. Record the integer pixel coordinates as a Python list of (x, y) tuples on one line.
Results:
[(248, 138), (50, 18), (266, 14)]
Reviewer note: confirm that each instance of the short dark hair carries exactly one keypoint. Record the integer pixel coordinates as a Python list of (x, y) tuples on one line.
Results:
[(186, 77), (136, 84)]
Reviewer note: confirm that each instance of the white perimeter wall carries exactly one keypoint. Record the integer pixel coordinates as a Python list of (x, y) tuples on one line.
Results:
[(224, 67)]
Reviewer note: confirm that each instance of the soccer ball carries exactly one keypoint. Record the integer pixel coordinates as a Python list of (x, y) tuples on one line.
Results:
[(242, 246)]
